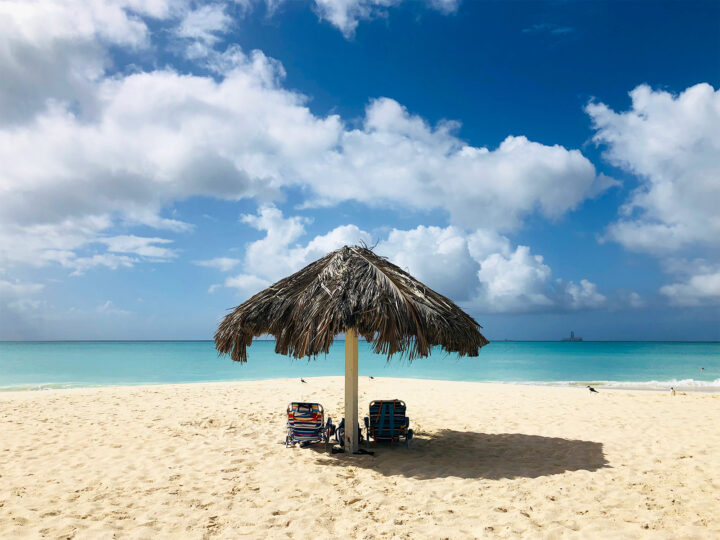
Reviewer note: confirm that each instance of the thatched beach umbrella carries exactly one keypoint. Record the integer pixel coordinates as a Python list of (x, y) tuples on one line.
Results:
[(356, 292)]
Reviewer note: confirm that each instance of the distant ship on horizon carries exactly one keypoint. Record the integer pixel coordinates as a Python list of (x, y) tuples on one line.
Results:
[(572, 337)]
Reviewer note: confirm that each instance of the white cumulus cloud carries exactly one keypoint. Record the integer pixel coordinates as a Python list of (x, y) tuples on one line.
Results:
[(57, 49), (514, 282), (582, 295), (279, 253), (247, 284), (203, 27), (397, 158), (672, 143), (483, 272), (478, 269), (439, 257), (699, 289)]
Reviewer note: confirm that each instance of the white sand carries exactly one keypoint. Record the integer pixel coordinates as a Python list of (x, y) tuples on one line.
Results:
[(204, 460)]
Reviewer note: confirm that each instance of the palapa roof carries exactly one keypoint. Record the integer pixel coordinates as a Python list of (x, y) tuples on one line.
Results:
[(351, 288)]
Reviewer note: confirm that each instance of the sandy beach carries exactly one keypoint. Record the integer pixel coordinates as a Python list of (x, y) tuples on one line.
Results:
[(206, 460)]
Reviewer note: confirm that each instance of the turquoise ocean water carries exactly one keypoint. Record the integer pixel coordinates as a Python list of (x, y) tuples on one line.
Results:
[(42, 365)]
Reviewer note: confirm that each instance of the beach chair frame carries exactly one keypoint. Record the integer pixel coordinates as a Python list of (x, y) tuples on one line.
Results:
[(306, 424), (340, 433), (392, 411)]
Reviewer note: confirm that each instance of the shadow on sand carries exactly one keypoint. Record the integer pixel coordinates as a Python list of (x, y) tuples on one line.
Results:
[(477, 455)]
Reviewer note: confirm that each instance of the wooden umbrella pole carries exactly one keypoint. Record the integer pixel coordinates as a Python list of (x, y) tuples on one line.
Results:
[(351, 391)]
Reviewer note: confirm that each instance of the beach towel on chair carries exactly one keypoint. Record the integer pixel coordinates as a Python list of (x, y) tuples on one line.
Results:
[(306, 424)]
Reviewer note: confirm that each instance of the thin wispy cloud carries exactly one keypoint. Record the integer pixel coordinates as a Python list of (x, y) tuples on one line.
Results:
[(219, 263), (549, 28), (110, 309)]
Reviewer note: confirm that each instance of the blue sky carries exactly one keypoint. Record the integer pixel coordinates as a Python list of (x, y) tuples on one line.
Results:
[(548, 165)]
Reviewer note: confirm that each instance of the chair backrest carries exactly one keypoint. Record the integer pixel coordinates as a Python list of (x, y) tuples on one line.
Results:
[(306, 420), (387, 418)]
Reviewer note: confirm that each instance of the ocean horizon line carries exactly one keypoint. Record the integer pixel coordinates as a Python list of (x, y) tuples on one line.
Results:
[(363, 340)]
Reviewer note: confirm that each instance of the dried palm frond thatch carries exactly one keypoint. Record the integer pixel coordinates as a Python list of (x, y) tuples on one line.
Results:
[(351, 288)]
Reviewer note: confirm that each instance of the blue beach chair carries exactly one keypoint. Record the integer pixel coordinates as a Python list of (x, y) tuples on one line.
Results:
[(388, 421), (306, 424)]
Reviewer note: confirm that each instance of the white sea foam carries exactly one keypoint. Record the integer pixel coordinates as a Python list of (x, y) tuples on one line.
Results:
[(682, 384), (42, 386), (688, 385)]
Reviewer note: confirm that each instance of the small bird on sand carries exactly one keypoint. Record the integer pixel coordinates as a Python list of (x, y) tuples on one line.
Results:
[(303, 380), (372, 377), (592, 389), (672, 390)]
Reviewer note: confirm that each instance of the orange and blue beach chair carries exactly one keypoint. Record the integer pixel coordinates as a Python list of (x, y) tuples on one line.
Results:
[(388, 422), (306, 424)]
